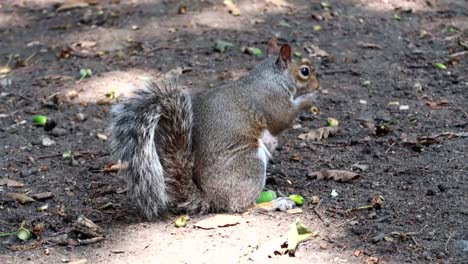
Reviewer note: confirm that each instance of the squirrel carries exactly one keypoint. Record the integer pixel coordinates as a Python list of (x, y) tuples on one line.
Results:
[(208, 152)]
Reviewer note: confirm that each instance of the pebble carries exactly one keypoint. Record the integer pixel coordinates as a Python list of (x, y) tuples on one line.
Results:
[(47, 142), (58, 132), (81, 117)]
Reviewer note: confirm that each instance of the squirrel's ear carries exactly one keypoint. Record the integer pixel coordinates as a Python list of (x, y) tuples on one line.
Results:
[(284, 58), (272, 47)]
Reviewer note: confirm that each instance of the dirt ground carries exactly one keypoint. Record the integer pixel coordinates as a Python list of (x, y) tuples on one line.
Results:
[(403, 126)]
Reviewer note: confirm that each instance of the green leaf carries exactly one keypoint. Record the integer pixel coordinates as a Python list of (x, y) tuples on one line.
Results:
[(298, 233), (67, 155), (222, 46), (396, 17), (317, 28), (452, 29), (332, 122), (23, 234), (82, 74), (110, 95), (257, 51), (366, 83), (297, 54), (265, 197), (89, 73), (297, 199), (39, 120), (180, 221), (440, 66)]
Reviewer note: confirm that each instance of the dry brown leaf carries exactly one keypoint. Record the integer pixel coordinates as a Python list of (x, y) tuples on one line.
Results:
[(319, 133), (233, 9), (436, 105), (11, 183), (19, 197), (220, 221), (336, 175)]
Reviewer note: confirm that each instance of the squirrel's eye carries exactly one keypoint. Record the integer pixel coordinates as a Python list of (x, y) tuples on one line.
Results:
[(305, 71)]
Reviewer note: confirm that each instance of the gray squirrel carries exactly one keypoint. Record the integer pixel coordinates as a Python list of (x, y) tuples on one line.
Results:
[(209, 152)]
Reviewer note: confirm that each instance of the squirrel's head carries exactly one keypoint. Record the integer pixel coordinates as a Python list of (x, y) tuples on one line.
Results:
[(301, 71)]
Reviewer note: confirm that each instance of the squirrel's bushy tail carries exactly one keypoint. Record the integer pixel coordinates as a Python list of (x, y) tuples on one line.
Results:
[(151, 131)]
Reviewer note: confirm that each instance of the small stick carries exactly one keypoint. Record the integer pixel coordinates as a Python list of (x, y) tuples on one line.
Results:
[(391, 146), (446, 243), (325, 222), (346, 222)]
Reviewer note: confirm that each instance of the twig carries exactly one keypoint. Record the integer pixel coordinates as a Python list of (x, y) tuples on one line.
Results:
[(391, 146), (90, 240), (325, 221), (458, 54), (446, 243), (415, 241), (346, 222), (30, 57)]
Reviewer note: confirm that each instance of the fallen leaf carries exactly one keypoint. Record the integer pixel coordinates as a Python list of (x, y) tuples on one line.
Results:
[(233, 9), (436, 105), (87, 227), (11, 183), (38, 229), (220, 221), (335, 175), (180, 221), (298, 232), (19, 197), (319, 133), (357, 253)]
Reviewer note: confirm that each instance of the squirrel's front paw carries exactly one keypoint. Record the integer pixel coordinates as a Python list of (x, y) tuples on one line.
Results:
[(283, 203)]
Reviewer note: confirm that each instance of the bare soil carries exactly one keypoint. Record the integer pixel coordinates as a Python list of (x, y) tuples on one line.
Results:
[(376, 63)]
